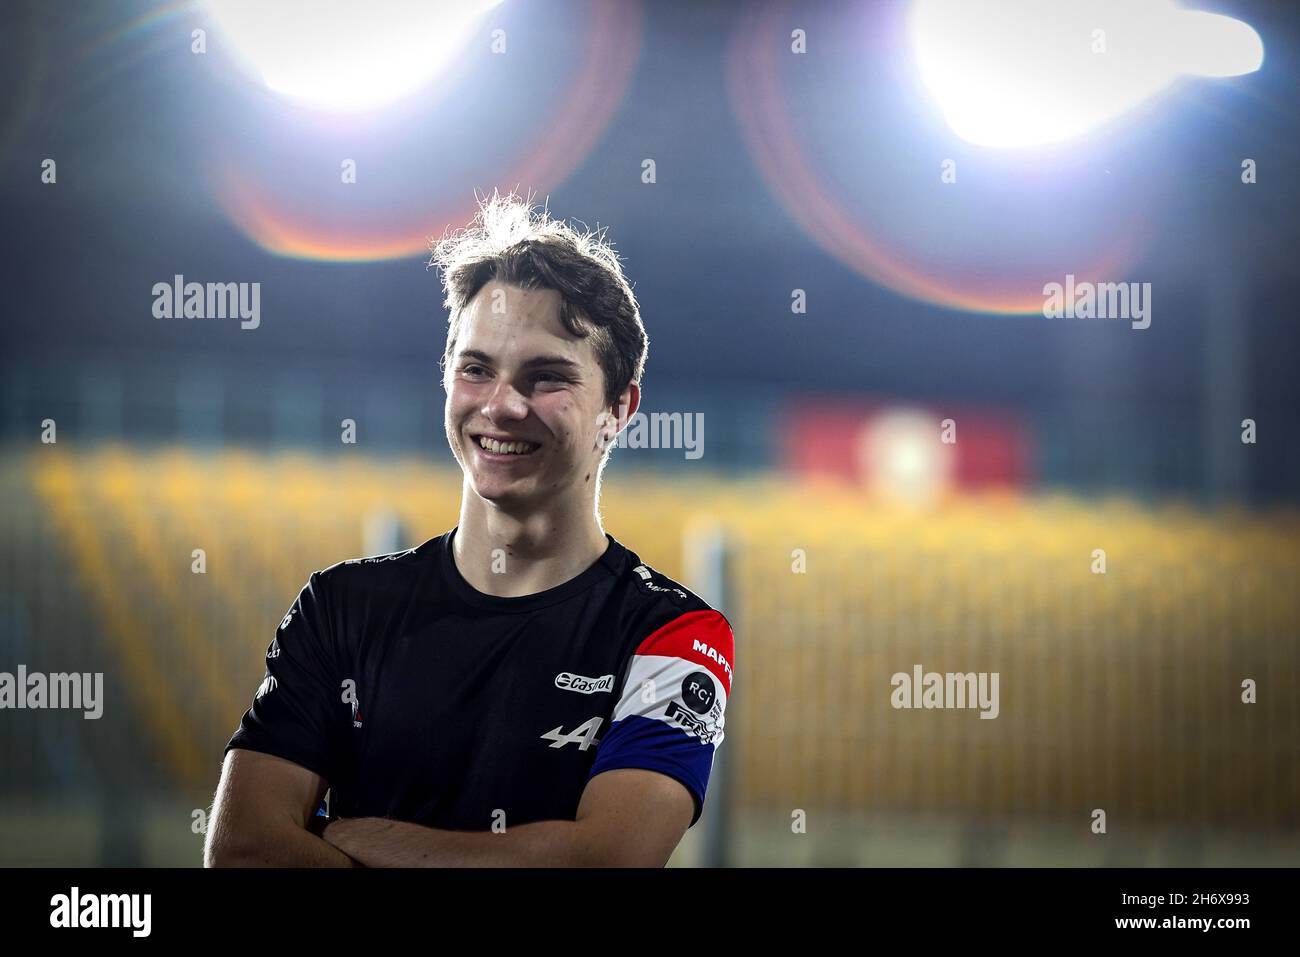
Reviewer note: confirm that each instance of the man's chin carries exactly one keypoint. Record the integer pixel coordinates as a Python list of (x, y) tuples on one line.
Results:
[(504, 495)]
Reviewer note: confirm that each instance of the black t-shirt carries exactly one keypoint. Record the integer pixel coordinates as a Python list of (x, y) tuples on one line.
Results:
[(419, 698)]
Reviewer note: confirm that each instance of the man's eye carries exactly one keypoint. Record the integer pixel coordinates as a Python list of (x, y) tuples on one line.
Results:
[(472, 370)]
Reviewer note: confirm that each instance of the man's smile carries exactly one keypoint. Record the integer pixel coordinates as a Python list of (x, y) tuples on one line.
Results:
[(503, 448)]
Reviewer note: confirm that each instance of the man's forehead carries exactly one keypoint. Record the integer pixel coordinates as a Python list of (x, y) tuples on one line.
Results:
[(522, 323)]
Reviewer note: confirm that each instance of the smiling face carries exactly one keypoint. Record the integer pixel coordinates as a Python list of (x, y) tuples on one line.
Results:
[(525, 401)]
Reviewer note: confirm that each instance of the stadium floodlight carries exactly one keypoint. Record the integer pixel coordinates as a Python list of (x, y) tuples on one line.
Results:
[(339, 56), (1014, 73), (901, 457)]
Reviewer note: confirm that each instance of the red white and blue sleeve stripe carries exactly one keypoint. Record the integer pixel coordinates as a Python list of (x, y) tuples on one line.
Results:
[(671, 714)]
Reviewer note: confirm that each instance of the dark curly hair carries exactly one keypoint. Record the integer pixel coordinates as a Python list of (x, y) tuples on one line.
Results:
[(515, 242)]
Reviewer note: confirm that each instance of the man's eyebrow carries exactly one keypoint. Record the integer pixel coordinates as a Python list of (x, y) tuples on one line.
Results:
[(534, 362)]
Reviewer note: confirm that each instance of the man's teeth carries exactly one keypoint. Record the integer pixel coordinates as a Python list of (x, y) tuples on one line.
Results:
[(516, 448)]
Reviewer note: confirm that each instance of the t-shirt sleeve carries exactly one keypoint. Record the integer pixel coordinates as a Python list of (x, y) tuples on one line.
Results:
[(671, 713), (296, 709)]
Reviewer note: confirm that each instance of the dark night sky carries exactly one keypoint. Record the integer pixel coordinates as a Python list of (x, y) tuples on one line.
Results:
[(712, 253)]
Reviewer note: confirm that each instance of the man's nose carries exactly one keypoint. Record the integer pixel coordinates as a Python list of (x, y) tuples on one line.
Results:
[(505, 401)]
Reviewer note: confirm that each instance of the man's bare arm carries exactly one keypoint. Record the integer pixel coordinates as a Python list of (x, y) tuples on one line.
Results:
[(626, 818), (261, 814)]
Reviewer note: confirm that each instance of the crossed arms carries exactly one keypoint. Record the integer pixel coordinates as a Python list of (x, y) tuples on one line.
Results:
[(263, 815)]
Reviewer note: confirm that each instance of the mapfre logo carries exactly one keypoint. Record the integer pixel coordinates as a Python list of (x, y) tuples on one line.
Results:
[(583, 684), (708, 651)]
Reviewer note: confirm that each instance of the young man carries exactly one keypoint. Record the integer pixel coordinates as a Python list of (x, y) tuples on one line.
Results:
[(522, 690)]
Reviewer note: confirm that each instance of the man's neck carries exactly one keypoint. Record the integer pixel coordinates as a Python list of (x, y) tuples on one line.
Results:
[(511, 556)]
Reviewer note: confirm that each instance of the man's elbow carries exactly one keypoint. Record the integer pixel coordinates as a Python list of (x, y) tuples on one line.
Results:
[(620, 849), (227, 846), (223, 859), (624, 856), (220, 852)]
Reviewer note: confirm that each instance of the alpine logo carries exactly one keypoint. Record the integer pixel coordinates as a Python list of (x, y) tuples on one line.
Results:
[(583, 684), (584, 736)]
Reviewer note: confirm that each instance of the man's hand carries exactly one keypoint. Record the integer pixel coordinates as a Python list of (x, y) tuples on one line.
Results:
[(628, 817)]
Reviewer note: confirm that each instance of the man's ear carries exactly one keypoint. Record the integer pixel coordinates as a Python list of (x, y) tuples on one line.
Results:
[(628, 403), (613, 420)]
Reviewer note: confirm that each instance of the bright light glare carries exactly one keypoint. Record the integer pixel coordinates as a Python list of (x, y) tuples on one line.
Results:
[(1215, 45), (341, 56), (1010, 73), (902, 459)]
